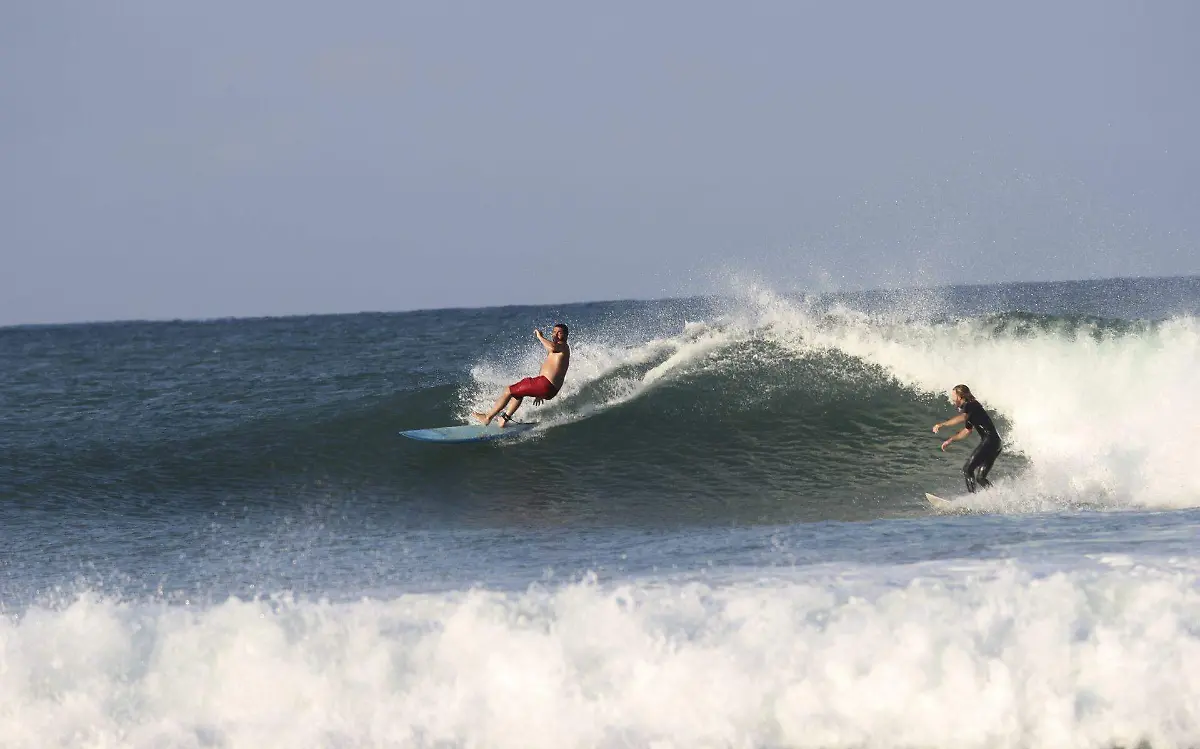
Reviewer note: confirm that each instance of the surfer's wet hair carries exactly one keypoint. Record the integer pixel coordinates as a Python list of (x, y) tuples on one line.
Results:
[(964, 392)]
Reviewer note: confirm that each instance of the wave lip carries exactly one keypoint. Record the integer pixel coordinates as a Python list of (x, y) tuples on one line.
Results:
[(938, 655)]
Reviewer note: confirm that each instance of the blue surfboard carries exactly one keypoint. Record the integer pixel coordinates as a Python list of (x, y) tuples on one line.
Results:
[(468, 433)]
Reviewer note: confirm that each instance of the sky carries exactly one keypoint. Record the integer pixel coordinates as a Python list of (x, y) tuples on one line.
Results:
[(165, 160)]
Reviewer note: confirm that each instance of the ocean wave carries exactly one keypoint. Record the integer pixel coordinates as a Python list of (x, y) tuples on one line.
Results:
[(765, 407), (1082, 400)]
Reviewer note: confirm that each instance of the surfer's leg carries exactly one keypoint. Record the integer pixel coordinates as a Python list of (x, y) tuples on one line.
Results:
[(512, 409), (976, 469), (985, 465), (515, 393), (981, 478), (501, 402), (969, 468)]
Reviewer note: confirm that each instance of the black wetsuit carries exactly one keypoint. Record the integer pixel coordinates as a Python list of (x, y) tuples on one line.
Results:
[(977, 466)]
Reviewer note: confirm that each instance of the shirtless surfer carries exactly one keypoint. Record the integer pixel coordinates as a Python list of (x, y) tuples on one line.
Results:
[(543, 387)]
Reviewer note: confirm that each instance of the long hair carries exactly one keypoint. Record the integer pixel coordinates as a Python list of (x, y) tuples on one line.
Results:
[(964, 392)]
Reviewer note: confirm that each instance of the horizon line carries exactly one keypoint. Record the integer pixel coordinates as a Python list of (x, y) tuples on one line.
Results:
[(614, 300)]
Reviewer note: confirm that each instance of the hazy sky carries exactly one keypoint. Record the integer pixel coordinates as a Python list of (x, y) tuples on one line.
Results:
[(162, 159)]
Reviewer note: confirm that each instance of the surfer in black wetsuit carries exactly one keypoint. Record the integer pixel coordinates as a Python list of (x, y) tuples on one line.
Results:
[(973, 417)]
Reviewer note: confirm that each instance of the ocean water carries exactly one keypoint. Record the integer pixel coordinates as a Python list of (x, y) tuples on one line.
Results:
[(212, 535)]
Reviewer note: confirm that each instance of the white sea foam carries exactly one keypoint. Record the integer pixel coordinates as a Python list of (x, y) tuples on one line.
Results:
[(614, 373), (936, 655)]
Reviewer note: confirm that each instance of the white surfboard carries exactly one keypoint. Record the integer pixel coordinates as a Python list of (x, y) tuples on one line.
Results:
[(938, 502)]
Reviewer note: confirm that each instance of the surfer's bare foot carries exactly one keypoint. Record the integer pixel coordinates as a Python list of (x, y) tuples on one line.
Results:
[(504, 419), (482, 418)]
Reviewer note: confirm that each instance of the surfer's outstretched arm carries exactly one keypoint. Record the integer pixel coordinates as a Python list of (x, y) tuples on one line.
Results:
[(962, 433), (950, 422), (550, 345)]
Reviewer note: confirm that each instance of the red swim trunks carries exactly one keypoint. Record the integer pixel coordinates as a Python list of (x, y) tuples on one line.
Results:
[(533, 387)]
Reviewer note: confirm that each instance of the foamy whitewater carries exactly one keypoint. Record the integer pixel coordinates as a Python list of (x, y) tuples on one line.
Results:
[(211, 534), (930, 654), (1088, 406)]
